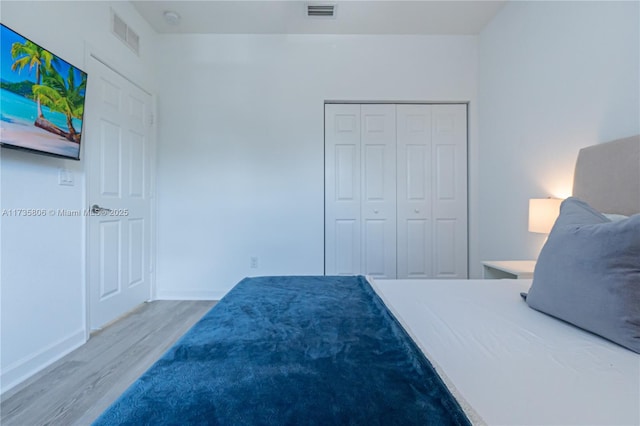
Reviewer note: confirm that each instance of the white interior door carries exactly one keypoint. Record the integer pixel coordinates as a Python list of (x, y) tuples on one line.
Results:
[(118, 149)]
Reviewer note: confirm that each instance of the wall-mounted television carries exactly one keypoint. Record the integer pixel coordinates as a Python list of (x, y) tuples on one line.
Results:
[(42, 98)]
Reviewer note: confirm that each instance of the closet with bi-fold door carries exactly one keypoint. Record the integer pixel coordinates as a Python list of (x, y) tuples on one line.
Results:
[(396, 190)]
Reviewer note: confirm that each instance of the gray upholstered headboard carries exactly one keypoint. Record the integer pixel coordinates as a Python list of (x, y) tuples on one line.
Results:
[(607, 176)]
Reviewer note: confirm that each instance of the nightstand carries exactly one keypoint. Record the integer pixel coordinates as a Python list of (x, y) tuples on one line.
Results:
[(513, 269)]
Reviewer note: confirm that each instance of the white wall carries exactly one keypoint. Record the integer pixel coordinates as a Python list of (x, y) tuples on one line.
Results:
[(553, 77), (42, 276), (240, 155)]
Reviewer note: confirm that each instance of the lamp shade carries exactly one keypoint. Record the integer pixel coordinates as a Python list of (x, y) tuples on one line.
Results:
[(543, 213)]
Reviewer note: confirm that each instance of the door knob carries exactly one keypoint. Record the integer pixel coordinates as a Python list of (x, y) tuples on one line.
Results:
[(375, 211), (417, 211), (96, 209)]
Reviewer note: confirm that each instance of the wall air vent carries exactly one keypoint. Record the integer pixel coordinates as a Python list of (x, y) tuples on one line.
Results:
[(125, 33), (321, 10)]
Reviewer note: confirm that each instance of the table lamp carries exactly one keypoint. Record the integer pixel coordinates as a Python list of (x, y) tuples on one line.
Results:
[(543, 213)]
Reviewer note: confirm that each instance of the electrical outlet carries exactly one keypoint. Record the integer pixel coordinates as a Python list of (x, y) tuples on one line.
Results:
[(253, 262)]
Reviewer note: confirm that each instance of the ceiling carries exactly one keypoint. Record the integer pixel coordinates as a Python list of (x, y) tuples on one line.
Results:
[(351, 17)]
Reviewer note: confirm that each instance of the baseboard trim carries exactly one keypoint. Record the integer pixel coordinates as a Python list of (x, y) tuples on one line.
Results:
[(189, 294), (26, 367)]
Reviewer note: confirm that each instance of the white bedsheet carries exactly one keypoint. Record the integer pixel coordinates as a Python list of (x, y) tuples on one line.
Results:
[(513, 365)]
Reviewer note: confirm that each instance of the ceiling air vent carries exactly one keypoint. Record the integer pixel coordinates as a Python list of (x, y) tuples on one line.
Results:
[(125, 33), (321, 10)]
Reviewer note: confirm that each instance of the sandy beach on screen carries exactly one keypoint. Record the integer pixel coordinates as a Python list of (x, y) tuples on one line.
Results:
[(28, 136)]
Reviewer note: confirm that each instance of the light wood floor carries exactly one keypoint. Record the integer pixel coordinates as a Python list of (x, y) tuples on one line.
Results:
[(77, 388)]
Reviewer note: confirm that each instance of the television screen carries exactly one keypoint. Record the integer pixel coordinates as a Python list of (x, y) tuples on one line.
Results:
[(41, 98)]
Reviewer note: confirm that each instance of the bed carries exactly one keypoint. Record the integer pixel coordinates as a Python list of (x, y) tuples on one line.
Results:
[(350, 350), (508, 364)]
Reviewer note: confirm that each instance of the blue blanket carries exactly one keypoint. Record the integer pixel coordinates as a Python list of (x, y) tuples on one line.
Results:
[(291, 351)]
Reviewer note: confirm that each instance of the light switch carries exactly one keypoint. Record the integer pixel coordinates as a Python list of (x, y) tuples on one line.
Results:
[(65, 177)]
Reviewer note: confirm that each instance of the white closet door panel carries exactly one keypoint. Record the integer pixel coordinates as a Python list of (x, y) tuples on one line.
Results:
[(347, 248), (446, 255), (375, 167), (414, 254), (375, 247), (417, 261), (342, 189), (346, 173), (378, 144), (445, 172), (449, 173), (416, 178)]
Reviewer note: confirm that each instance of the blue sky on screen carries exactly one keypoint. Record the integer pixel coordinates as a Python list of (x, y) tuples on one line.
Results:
[(7, 38)]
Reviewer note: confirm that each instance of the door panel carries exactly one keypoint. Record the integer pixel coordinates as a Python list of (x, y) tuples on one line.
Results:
[(346, 169), (445, 173), (110, 141), (378, 142), (137, 164), (416, 172), (374, 166), (136, 254), (118, 158), (414, 191), (342, 189), (418, 263), (110, 267), (446, 253), (450, 201), (375, 247), (346, 256)]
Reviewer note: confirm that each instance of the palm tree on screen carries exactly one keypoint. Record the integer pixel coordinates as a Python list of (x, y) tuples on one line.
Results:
[(30, 55), (64, 96)]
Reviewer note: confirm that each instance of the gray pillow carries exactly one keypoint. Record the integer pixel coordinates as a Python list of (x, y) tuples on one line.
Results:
[(588, 273)]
